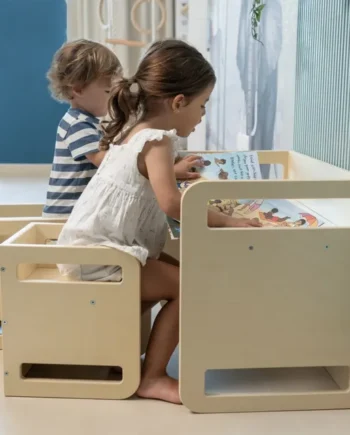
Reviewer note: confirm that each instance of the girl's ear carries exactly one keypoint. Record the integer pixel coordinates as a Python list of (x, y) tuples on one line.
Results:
[(178, 103)]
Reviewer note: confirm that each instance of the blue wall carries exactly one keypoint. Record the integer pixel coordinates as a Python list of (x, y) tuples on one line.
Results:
[(30, 32)]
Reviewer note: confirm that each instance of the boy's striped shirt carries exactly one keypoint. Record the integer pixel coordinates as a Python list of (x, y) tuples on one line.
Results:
[(78, 134)]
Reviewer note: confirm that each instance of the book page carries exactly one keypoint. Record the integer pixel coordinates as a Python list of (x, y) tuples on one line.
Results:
[(174, 228), (226, 166), (277, 213), (230, 166), (272, 213)]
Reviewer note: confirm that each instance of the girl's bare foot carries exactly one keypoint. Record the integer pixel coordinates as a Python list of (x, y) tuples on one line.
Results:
[(162, 388)]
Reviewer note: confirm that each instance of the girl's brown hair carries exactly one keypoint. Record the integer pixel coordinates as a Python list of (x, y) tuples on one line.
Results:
[(80, 63), (169, 68)]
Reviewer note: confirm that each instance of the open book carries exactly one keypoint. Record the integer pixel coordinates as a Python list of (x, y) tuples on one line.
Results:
[(277, 213), (226, 166), (220, 166)]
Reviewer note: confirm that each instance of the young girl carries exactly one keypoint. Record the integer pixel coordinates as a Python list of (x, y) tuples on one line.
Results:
[(126, 203)]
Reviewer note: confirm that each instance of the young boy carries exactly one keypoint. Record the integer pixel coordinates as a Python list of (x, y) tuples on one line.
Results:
[(82, 73)]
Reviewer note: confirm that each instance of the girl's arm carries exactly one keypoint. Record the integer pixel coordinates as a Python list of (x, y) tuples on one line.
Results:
[(221, 220), (159, 161)]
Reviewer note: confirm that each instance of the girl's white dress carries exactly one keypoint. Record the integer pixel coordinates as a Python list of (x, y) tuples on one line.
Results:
[(118, 209)]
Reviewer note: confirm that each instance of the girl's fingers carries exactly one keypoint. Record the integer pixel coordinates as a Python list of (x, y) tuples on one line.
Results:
[(192, 175), (194, 160)]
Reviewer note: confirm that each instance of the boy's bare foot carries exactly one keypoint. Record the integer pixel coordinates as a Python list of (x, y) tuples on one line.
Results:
[(162, 388)]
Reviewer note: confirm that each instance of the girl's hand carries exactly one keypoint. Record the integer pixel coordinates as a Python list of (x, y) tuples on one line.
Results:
[(221, 220), (245, 223), (183, 167)]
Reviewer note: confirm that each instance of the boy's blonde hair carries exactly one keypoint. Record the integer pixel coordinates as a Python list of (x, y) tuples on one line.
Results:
[(80, 63)]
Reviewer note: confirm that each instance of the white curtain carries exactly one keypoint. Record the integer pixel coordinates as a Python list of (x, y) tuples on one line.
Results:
[(83, 22), (252, 106)]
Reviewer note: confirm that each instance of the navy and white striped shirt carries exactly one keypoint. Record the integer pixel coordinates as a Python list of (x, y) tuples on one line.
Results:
[(78, 134)]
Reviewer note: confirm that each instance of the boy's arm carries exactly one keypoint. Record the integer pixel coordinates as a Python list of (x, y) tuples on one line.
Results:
[(83, 141), (96, 158)]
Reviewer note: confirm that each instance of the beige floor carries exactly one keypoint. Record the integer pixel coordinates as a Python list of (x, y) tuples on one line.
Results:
[(136, 417), (139, 417)]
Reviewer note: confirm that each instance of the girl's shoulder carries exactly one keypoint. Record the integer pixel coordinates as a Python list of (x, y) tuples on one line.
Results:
[(139, 139), (152, 134)]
